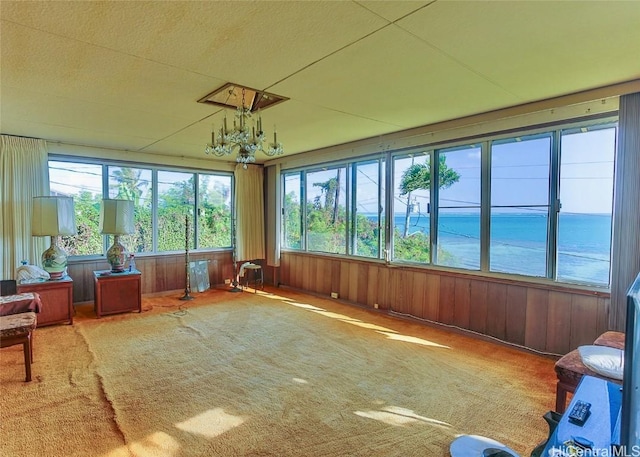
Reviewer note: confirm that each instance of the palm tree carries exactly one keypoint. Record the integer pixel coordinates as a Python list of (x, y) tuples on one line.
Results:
[(418, 176)]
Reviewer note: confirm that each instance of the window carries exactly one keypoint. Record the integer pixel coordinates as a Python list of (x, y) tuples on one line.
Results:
[(459, 207), (83, 182), (162, 201), (292, 212), (214, 211), (368, 213), (531, 204), (586, 197), (135, 184), (326, 210), (411, 199), (520, 205), (176, 201)]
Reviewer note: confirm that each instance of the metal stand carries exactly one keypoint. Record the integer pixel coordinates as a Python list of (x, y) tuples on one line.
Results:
[(187, 276), (235, 284)]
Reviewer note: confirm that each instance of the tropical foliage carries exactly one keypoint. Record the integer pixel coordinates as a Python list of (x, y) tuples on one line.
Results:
[(326, 221), (174, 206)]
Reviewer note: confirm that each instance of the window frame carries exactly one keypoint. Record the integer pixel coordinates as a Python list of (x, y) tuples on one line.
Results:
[(484, 141), (195, 172)]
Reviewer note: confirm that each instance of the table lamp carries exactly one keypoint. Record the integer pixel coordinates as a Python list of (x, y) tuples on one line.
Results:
[(116, 218), (53, 216)]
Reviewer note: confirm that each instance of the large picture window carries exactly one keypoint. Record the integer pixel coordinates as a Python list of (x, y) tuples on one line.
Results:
[(529, 204), (163, 199)]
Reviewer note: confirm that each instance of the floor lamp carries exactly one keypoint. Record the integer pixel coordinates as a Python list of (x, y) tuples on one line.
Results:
[(234, 240), (187, 275), (53, 216), (116, 218)]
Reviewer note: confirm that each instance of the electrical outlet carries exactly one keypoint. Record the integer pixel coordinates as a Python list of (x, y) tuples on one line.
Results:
[(227, 281), (375, 305), (334, 294)]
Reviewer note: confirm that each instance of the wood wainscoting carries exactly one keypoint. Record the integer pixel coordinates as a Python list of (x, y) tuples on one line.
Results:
[(549, 318), (160, 273)]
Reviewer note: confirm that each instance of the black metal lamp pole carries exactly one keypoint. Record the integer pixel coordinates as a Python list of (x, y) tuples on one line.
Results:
[(187, 276)]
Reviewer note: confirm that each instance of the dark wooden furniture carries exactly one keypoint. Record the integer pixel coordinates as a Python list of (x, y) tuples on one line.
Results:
[(117, 292), (17, 323), (57, 300), (18, 329), (570, 369)]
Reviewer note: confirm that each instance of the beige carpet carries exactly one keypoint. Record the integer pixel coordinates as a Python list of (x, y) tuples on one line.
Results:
[(265, 375)]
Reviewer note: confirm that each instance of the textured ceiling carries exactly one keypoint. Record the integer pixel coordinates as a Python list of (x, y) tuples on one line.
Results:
[(127, 75)]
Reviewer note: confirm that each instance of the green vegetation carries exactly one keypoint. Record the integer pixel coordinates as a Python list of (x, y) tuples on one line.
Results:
[(326, 218), (174, 205)]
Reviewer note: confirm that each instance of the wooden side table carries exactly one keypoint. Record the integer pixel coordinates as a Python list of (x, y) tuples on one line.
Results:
[(117, 292), (57, 300)]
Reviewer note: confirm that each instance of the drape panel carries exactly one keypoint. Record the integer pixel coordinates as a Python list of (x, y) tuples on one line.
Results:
[(24, 174), (273, 215), (249, 206), (625, 263)]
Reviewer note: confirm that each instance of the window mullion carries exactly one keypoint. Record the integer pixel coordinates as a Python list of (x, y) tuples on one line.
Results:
[(154, 208), (554, 206), (433, 204), (485, 204), (303, 211)]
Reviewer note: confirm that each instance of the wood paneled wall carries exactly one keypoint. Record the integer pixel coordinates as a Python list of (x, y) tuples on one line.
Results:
[(553, 318), (159, 273)]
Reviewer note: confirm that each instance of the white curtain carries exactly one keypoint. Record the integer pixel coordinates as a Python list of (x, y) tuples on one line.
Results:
[(249, 206), (273, 215), (625, 259), (24, 174)]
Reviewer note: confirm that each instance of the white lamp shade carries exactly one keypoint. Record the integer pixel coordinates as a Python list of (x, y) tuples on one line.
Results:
[(53, 216), (116, 217)]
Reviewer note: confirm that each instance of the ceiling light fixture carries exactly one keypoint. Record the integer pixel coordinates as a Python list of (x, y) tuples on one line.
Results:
[(246, 137)]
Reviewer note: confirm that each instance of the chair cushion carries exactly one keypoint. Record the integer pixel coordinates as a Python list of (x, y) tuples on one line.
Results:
[(604, 360), (570, 368), (17, 324), (611, 339)]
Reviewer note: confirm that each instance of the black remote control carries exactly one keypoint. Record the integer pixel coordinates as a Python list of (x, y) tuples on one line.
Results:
[(580, 413)]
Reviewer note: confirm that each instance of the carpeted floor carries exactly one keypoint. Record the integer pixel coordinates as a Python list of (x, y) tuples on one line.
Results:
[(273, 374)]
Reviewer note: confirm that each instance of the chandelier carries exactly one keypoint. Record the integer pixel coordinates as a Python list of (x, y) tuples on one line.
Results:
[(246, 137)]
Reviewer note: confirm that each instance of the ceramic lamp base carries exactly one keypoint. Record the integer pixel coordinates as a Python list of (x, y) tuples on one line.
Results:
[(54, 260), (116, 255)]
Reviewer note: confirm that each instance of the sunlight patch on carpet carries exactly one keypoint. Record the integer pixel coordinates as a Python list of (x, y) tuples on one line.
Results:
[(158, 444), (397, 416), (210, 424), (412, 339), (303, 305)]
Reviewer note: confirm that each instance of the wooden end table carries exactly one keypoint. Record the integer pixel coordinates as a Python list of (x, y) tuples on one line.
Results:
[(57, 300), (117, 292)]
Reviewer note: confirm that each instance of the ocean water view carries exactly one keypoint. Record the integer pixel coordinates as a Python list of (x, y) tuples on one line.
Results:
[(518, 243)]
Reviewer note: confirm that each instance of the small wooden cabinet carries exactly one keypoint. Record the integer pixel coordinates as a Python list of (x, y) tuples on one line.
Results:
[(57, 300), (117, 292)]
